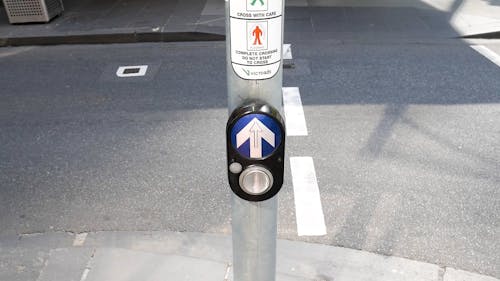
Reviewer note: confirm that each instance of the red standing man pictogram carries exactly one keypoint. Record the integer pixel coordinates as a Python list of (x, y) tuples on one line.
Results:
[(257, 33)]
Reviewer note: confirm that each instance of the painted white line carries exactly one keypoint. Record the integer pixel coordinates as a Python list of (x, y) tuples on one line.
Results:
[(79, 239), (489, 54), (6, 52), (131, 71), (287, 52), (308, 209), (294, 113)]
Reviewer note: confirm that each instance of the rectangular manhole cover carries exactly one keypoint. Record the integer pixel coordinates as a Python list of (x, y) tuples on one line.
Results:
[(131, 71)]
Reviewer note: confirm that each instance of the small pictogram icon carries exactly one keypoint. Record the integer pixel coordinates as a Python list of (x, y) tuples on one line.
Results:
[(257, 5), (257, 35), (254, 1)]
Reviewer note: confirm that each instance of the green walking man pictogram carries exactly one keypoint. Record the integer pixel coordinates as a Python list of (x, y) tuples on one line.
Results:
[(261, 2)]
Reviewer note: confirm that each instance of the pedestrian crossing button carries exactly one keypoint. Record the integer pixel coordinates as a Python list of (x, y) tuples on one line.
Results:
[(256, 180)]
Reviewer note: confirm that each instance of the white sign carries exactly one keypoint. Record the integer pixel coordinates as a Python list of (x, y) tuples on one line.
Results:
[(256, 37)]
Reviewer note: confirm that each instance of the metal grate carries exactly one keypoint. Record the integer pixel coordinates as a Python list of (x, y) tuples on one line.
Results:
[(32, 10)]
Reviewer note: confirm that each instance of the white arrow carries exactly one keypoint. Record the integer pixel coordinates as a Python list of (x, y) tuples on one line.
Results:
[(255, 131)]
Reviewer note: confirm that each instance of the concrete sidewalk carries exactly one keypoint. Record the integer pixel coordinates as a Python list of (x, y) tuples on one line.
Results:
[(476, 17), (128, 21), (155, 256), (117, 21), (467, 17)]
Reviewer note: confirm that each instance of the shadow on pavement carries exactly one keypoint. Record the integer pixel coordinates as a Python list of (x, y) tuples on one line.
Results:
[(383, 56), (409, 74)]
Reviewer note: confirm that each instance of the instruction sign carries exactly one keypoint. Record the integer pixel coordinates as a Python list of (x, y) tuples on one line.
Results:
[(256, 37)]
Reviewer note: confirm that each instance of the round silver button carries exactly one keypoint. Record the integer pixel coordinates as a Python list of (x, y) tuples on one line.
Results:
[(256, 180)]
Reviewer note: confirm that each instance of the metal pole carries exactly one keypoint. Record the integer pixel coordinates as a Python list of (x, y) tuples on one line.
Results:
[(254, 224)]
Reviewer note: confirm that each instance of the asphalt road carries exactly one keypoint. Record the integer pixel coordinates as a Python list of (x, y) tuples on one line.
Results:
[(404, 132)]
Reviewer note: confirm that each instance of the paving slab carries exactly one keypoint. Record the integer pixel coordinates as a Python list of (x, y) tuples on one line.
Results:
[(20, 264), (453, 274), (322, 262), (125, 265), (207, 246), (66, 264)]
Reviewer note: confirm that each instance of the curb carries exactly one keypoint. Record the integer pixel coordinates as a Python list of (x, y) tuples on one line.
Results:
[(145, 37), (487, 35)]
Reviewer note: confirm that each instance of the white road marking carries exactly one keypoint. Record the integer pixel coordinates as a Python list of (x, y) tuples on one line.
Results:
[(79, 239), (294, 113), (287, 52), (11, 51), (308, 209), (131, 71), (489, 54)]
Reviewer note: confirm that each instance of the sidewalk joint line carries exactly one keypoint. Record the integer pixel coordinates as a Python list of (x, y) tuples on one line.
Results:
[(228, 271), (88, 267)]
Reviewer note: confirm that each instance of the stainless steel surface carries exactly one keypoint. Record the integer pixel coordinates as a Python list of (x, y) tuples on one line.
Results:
[(254, 224), (256, 180), (23, 11)]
